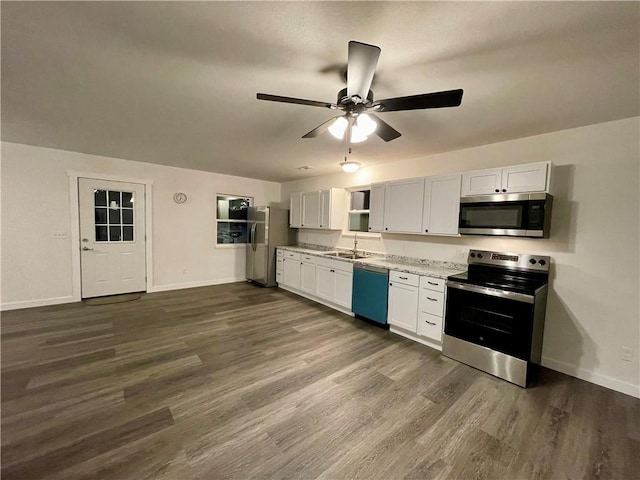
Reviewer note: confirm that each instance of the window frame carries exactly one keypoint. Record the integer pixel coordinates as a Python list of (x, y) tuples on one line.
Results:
[(231, 196)]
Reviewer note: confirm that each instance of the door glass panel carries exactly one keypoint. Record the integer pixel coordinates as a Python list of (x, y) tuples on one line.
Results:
[(115, 234), (127, 234), (101, 216), (100, 198), (101, 233), (127, 216), (112, 211), (114, 216), (127, 199)]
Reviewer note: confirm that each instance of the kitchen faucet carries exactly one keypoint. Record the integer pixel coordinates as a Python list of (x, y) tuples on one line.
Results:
[(355, 244)]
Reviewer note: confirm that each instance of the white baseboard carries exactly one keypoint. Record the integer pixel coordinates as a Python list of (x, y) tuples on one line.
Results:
[(589, 376), (36, 303), (207, 283), (416, 338)]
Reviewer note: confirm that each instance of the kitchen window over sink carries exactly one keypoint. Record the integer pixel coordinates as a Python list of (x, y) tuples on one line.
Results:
[(231, 219)]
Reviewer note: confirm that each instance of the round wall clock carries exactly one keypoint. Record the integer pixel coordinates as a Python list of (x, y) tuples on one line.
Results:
[(180, 197)]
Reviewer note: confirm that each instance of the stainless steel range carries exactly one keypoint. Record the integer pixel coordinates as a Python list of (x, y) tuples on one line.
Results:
[(495, 314)]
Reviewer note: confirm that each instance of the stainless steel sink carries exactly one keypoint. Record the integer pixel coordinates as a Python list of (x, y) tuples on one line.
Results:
[(348, 255)]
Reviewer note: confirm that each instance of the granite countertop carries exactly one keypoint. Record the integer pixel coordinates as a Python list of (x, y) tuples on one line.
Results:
[(417, 266)]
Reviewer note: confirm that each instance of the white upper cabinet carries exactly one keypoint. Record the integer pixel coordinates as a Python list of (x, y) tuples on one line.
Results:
[(403, 206), (311, 209), (325, 209), (333, 207), (525, 178), (376, 207), (295, 210), (441, 205), (533, 177)]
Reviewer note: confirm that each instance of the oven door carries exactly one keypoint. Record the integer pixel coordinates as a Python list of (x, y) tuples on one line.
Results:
[(501, 321)]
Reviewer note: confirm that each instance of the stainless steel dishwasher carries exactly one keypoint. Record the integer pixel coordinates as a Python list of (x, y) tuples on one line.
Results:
[(370, 288)]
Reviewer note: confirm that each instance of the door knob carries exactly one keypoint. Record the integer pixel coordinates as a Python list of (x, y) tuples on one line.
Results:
[(86, 248)]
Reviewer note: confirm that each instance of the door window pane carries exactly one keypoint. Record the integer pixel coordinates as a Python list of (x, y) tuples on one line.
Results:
[(114, 216), (115, 234), (100, 197), (101, 234), (127, 216), (127, 199), (111, 215), (127, 234), (101, 215)]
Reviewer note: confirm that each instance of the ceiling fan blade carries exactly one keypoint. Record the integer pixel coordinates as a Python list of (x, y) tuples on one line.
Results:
[(448, 98), (361, 67), (320, 129), (299, 101), (384, 130)]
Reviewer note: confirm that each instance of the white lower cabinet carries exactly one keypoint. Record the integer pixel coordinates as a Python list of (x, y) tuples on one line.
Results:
[(291, 270), (416, 307), (308, 274), (326, 280)]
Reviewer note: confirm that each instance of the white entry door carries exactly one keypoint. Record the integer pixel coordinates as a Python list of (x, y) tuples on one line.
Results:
[(112, 237)]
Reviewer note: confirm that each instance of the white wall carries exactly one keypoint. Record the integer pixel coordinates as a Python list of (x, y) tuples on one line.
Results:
[(37, 269), (594, 305)]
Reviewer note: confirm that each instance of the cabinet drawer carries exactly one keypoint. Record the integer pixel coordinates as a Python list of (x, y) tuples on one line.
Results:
[(433, 283), (309, 259), (430, 326), (279, 264), (431, 302), (292, 255), (279, 276), (280, 253), (406, 278), (331, 263)]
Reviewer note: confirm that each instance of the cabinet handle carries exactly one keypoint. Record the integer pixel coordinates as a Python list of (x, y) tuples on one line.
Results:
[(426, 230), (391, 284), (504, 189), (404, 278), (430, 323), (332, 271), (497, 190), (432, 299), (320, 225), (432, 283)]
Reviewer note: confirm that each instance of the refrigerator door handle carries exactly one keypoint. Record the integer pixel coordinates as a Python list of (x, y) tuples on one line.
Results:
[(253, 236)]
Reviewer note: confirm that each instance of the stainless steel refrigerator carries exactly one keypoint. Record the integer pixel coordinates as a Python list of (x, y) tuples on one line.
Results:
[(268, 228)]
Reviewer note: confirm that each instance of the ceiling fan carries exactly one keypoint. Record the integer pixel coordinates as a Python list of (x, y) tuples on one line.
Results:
[(356, 101)]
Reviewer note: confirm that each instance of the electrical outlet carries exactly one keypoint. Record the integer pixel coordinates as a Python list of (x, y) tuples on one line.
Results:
[(626, 354)]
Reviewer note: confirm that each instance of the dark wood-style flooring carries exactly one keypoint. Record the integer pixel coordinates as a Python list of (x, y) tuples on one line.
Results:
[(235, 381)]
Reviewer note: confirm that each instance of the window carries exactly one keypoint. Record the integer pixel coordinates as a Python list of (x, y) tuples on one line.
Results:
[(113, 216), (231, 219), (359, 210)]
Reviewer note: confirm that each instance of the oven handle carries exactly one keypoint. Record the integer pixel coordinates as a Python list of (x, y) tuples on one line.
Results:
[(518, 297)]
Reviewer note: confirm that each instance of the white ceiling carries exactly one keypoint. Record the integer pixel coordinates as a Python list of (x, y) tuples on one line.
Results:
[(176, 83)]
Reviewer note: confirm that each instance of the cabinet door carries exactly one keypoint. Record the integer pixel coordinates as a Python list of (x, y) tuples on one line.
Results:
[(308, 277), (525, 178), (482, 182), (324, 282), (310, 209), (441, 204), (325, 209), (291, 277), (343, 286), (403, 306), (403, 206), (295, 210), (376, 207)]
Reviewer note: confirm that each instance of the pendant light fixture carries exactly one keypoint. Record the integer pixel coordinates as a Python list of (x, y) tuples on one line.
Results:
[(349, 166)]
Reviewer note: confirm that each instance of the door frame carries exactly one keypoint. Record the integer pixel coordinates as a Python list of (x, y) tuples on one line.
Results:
[(74, 212)]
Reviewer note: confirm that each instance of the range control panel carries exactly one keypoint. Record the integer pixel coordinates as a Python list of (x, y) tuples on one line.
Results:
[(517, 261)]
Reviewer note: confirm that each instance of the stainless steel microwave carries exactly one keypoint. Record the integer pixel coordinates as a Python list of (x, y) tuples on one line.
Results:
[(513, 215)]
